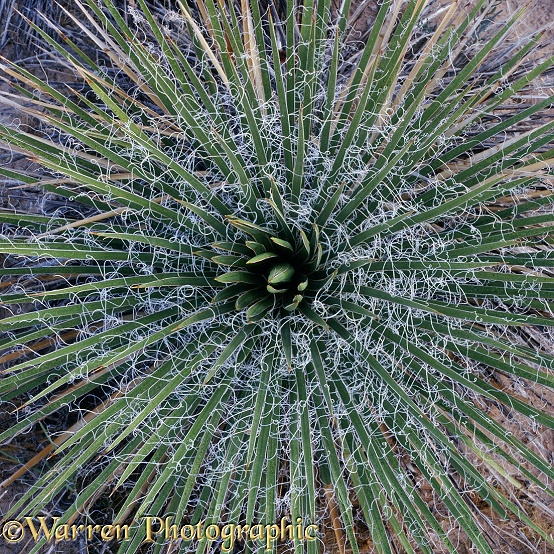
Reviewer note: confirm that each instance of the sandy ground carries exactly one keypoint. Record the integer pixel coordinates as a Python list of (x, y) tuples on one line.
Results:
[(539, 14)]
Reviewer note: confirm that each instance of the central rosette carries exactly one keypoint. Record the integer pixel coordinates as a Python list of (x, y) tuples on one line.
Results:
[(269, 270)]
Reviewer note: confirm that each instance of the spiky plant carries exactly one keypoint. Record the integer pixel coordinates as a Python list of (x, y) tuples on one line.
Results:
[(292, 277), (15, 29)]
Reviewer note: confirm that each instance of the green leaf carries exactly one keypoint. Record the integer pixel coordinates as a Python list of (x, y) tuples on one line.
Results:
[(291, 302), (280, 273), (285, 245), (261, 258), (249, 297), (239, 277), (259, 309)]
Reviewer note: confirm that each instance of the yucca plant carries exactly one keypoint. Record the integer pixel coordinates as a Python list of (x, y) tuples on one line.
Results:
[(292, 277), (15, 30)]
